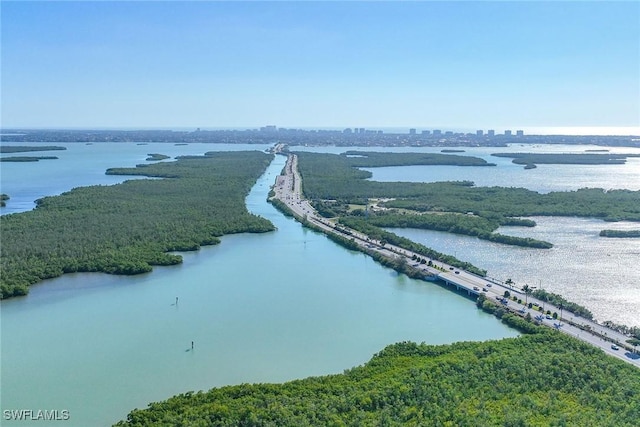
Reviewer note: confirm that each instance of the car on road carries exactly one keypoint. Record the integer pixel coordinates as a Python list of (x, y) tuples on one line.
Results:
[(457, 272), (475, 288), (485, 290), (614, 347), (548, 317), (489, 284)]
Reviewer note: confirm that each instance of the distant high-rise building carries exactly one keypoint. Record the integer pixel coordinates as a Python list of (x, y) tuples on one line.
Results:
[(437, 132), (491, 132), (347, 130), (412, 131), (519, 133), (479, 132), (507, 133), (426, 132), (361, 130), (449, 133), (269, 128)]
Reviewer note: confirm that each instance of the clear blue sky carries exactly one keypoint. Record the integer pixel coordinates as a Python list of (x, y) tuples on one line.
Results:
[(320, 64)]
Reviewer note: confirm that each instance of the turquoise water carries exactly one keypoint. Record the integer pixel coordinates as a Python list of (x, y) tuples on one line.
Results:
[(259, 308)]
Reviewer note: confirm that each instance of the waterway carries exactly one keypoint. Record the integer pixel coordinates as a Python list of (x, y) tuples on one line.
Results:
[(258, 308), (600, 273)]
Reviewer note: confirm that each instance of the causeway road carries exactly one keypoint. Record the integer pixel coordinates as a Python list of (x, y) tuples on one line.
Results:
[(288, 189)]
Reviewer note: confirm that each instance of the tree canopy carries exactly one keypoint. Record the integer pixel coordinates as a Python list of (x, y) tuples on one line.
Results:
[(542, 379), (129, 227)]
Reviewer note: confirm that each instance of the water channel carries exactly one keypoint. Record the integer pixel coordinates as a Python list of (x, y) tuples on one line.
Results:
[(258, 308)]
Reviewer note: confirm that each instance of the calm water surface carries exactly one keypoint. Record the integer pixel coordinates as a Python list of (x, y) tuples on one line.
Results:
[(599, 273), (544, 178), (259, 308)]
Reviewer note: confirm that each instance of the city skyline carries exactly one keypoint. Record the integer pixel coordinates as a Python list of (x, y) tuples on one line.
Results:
[(458, 66)]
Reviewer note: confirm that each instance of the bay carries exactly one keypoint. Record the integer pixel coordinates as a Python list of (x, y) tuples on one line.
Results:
[(258, 308)]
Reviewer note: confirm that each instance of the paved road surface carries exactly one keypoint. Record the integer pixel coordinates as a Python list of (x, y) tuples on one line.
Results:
[(288, 189)]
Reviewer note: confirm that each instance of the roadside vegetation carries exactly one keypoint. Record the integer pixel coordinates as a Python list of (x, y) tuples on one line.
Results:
[(129, 227), (539, 379), (469, 225), (385, 237), (559, 301)]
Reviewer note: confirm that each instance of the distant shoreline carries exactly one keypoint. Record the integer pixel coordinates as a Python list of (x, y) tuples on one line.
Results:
[(347, 137)]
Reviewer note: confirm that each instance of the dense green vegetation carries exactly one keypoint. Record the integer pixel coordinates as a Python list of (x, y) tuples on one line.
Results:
[(612, 205), (566, 158), (27, 148), (541, 379), (559, 301), (154, 157), (384, 236), (26, 158), (127, 228), (371, 159), (469, 225), (332, 177), (620, 233)]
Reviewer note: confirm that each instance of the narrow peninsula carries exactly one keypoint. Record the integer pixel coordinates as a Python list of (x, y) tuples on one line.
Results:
[(130, 227)]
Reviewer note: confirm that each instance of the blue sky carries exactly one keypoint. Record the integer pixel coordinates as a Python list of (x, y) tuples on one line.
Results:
[(460, 65)]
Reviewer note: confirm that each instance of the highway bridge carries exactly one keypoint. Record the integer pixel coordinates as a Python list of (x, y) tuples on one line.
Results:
[(288, 189)]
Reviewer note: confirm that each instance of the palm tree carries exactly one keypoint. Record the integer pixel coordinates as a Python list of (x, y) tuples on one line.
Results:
[(509, 282), (527, 291)]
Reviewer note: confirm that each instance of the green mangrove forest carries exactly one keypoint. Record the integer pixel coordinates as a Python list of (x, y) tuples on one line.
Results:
[(542, 378), (155, 157), (620, 233), (129, 227), (28, 148), (372, 159), (27, 158), (532, 159), (333, 177)]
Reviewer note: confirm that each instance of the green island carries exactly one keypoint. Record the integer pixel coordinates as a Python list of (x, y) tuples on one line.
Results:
[(28, 148), (371, 159), (456, 223), (620, 233), (449, 150), (339, 189), (3, 200), (26, 158), (532, 159), (155, 157), (129, 227), (542, 378)]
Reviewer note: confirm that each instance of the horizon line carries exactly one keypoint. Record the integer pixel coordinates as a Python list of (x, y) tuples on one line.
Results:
[(621, 131)]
